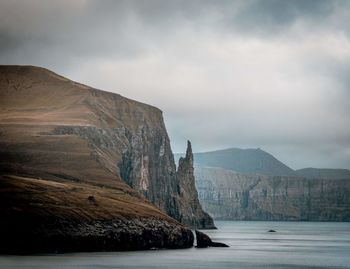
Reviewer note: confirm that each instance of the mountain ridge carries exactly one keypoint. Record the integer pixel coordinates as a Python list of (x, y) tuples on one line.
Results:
[(253, 161), (254, 164), (324, 173)]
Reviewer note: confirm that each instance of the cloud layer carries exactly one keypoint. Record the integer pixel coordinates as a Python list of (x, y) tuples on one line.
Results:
[(268, 74)]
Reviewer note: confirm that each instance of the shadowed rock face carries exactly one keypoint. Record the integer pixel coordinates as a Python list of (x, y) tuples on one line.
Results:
[(191, 210), (56, 130), (40, 215), (233, 196)]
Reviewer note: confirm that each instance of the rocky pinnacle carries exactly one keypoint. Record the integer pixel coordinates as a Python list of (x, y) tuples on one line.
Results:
[(191, 212)]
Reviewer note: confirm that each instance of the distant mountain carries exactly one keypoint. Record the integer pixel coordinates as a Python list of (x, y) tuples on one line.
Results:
[(324, 173), (247, 161)]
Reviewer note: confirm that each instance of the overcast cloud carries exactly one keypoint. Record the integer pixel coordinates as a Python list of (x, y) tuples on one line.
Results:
[(268, 74)]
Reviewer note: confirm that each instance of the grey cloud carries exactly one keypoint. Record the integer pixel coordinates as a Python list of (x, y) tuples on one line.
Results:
[(275, 15), (270, 74), (131, 27), (119, 29)]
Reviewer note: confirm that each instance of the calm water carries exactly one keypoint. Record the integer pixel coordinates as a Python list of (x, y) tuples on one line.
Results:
[(295, 245)]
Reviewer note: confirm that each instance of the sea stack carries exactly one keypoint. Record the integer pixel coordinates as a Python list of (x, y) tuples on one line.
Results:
[(192, 213)]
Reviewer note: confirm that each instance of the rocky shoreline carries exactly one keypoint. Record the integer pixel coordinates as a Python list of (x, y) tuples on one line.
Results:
[(56, 236), (42, 216), (116, 235)]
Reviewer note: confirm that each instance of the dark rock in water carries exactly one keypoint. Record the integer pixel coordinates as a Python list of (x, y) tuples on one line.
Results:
[(219, 245), (271, 231), (204, 241)]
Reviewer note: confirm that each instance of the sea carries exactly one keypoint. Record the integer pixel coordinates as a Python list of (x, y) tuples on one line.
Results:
[(293, 245)]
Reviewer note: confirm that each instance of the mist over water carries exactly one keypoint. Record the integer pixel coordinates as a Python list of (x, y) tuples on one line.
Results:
[(294, 245)]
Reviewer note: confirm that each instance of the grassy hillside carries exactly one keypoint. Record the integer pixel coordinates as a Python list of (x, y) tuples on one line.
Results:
[(60, 189)]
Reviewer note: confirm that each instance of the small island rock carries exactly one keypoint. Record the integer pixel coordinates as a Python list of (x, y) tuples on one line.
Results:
[(204, 241)]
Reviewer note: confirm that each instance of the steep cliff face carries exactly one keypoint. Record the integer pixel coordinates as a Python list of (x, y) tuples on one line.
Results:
[(56, 130), (233, 196), (126, 138), (191, 210)]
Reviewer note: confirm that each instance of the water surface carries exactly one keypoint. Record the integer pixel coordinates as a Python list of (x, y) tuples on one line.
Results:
[(294, 245)]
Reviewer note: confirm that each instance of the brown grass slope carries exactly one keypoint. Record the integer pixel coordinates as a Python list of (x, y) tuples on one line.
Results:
[(41, 101), (59, 191)]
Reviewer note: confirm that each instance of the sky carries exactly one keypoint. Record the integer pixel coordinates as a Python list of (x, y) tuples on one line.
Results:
[(263, 74)]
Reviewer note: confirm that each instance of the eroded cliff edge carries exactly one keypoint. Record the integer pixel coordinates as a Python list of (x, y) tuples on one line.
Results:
[(56, 130)]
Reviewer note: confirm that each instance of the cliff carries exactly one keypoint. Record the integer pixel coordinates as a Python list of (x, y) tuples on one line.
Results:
[(53, 129), (230, 195), (191, 210)]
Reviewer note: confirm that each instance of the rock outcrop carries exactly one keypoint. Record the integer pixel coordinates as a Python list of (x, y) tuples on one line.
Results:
[(204, 241), (54, 130), (230, 195), (191, 211)]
